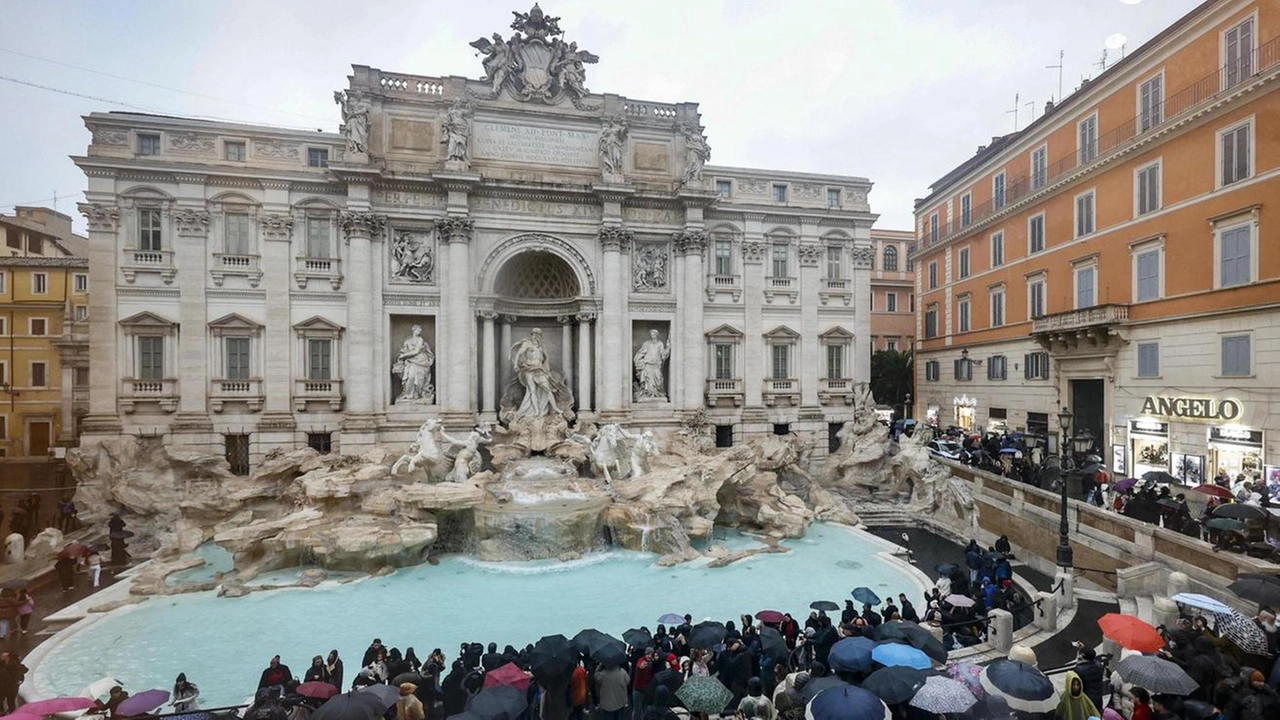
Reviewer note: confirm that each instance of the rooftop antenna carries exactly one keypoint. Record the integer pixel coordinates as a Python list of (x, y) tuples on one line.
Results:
[(1102, 63), (1058, 67), (1016, 98), (1032, 105)]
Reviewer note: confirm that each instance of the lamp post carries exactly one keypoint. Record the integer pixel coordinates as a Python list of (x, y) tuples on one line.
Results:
[(1064, 546)]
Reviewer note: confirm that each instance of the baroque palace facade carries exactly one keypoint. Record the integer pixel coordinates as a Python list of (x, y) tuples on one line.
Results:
[(1118, 257), (259, 287)]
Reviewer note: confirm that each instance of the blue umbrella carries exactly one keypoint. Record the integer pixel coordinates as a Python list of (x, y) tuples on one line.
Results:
[(866, 596), (846, 703), (852, 654), (671, 619), (892, 654)]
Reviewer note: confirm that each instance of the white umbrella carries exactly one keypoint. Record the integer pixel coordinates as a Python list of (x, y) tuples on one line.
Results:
[(98, 688), (941, 695), (963, 601), (1204, 602)]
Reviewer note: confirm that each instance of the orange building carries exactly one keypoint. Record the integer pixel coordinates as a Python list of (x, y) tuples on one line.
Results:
[(1118, 257), (893, 292)]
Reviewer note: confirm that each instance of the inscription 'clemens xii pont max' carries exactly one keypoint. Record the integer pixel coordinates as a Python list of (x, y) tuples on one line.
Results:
[(534, 144)]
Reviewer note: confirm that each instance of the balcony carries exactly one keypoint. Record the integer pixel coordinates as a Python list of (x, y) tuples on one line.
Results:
[(325, 269), (1091, 326), (248, 391), (243, 265), (724, 391), (135, 391), (836, 289), (137, 261), (731, 284), (786, 287), (836, 390), (781, 390), (317, 391)]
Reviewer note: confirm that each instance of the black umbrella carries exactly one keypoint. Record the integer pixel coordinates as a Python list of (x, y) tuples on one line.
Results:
[(638, 637), (670, 679), (773, 644), (1239, 511), (895, 684), (707, 634), (552, 658), (866, 596), (351, 706), (1159, 476), (824, 605), (500, 702), (945, 569), (409, 677), (1170, 503), (1198, 710), (817, 685), (610, 656), (914, 635), (589, 641)]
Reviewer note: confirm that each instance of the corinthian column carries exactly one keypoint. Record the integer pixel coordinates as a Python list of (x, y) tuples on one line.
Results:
[(615, 363), (104, 369), (455, 383), (584, 361), (488, 365), (691, 244), (360, 227)]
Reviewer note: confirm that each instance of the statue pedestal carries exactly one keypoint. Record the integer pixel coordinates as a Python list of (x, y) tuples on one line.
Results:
[(457, 166)]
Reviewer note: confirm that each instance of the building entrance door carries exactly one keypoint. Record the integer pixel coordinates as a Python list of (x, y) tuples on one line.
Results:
[(38, 434), (1088, 404)]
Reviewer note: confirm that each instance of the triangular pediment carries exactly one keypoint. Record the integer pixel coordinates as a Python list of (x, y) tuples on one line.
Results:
[(234, 321), (837, 333), (782, 332), (318, 324), (147, 319), (725, 332)]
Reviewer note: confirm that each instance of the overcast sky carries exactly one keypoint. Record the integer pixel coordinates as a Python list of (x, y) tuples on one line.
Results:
[(899, 91)]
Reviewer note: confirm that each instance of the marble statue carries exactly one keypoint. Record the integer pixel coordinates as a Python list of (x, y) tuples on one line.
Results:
[(643, 447), (612, 445), (568, 70), (535, 64), (650, 271), (425, 450), (456, 131), (533, 371), (413, 365), (355, 121), (696, 154), (467, 462), (14, 548), (613, 137), (412, 257), (499, 60), (651, 384)]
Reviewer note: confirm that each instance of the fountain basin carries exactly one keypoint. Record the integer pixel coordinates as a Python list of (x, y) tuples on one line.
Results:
[(538, 510)]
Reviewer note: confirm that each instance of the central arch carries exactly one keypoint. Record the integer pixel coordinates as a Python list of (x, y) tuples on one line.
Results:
[(497, 268), (536, 275)]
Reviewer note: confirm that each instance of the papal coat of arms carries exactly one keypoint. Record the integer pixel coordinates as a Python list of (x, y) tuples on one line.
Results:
[(535, 64)]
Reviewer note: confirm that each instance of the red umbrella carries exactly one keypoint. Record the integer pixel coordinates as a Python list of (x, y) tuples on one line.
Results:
[(1130, 632), (75, 550), (1214, 490), (318, 690), (509, 674), (770, 616)]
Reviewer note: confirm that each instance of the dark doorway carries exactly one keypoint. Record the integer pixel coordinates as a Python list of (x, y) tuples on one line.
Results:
[(833, 436), (1088, 404), (781, 428), (724, 436), (238, 453)]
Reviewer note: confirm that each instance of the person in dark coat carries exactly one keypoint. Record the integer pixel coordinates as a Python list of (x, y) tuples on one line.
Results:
[(453, 696), (493, 659), (1092, 675), (371, 653), (973, 560), (871, 616), (277, 673), (315, 673), (12, 672), (849, 613), (907, 610), (333, 669)]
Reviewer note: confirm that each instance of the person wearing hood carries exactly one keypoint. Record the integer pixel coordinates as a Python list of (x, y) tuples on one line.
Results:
[(791, 693), (408, 706), (849, 613), (1092, 674), (371, 652), (315, 673), (333, 670), (396, 665), (871, 616), (415, 665), (492, 660), (454, 697), (277, 673), (755, 704), (1254, 701), (1075, 704), (185, 694)]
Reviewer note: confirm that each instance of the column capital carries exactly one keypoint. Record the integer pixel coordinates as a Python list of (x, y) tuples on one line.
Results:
[(585, 317), (615, 238), (455, 228), (509, 319), (487, 315), (810, 254), (190, 223), (362, 224), (754, 251), (689, 242), (103, 218), (862, 255), (276, 226), (564, 319)]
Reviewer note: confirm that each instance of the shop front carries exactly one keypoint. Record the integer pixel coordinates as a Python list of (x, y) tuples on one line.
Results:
[(964, 408), (998, 420), (1236, 450), (1148, 446)]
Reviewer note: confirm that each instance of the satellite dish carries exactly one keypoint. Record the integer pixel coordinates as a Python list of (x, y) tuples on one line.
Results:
[(1116, 41)]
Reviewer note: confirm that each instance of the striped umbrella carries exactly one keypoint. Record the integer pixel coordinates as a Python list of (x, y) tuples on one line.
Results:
[(1242, 631)]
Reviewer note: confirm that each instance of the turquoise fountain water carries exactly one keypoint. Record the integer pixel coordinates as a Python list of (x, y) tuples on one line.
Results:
[(222, 644)]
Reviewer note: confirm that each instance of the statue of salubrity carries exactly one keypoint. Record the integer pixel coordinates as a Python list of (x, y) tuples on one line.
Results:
[(651, 383), (413, 365)]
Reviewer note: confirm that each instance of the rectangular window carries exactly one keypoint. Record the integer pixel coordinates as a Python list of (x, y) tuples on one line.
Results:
[(833, 197), (80, 378), (932, 370), (149, 230), (724, 361), (39, 375), (236, 234), (150, 357), (780, 258), (1234, 144), (931, 322), (1147, 187), (320, 442), (233, 151), (933, 275), (835, 361), (13, 240), (1147, 268), (81, 312), (833, 263), (1151, 103), (997, 368), (963, 369), (724, 257), (997, 250), (4, 431), (35, 245), (4, 282), (1235, 263), (1084, 214), (1239, 53), (780, 193), (80, 283), (39, 326), (997, 308), (1086, 285), (781, 369), (911, 303), (1235, 356), (319, 359), (724, 188), (317, 157), (1035, 299), (963, 262), (1036, 365), (4, 325), (891, 258), (933, 228), (318, 238), (891, 345), (962, 310), (1035, 234), (1039, 167), (997, 192), (148, 144), (891, 302), (966, 209), (1087, 140), (871, 301), (4, 372), (237, 358), (39, 283), (1148, 360)]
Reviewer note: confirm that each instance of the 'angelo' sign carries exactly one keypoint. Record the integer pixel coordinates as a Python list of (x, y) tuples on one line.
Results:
[(1192, 408)]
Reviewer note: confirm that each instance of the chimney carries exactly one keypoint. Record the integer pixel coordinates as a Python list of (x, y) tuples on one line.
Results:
[(981, 148), (1048, 106)]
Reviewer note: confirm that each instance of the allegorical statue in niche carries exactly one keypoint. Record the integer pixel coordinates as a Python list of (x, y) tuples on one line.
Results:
[(355, 121), (650, 381), (533, 371), (613, 136), (414, 260), (413, 365), (456, 131), (696, 154)]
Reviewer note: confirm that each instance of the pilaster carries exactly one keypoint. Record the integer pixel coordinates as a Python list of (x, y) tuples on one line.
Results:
[(359, 229), (457, 383), (278, 362), (809, 253), (691, 244), (191, 425), (862, 255), (104, 373), (613, 239)]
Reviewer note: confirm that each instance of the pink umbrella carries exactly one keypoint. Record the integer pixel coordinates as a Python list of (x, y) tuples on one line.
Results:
[(22, 716), (509, 674), (53, 706), (143, 702)]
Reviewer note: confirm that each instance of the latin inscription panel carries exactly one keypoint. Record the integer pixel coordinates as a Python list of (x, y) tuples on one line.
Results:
[(534, 144)]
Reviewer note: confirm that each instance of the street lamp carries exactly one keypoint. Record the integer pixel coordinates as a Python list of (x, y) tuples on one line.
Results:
[(1064, 422), (1064, 546)]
